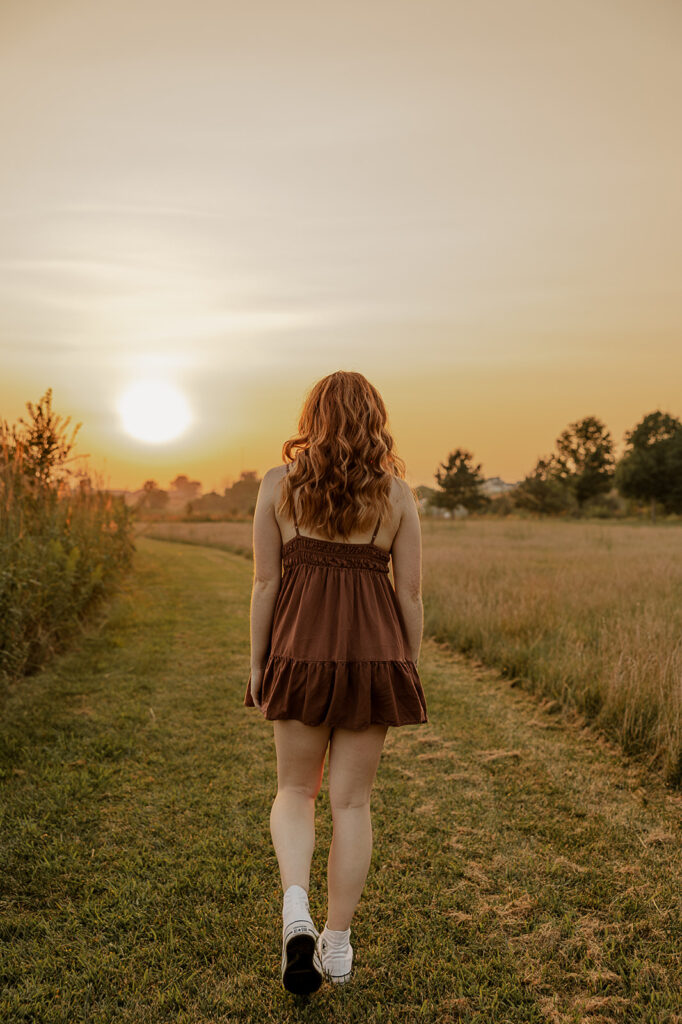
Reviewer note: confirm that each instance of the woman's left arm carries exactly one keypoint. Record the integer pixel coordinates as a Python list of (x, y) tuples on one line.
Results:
[(267, 576)]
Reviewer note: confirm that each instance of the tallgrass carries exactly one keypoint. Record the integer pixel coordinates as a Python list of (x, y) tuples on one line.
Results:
[(588, 613), (63, 549)]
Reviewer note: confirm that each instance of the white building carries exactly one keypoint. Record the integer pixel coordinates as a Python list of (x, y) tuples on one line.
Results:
[(496, 485)]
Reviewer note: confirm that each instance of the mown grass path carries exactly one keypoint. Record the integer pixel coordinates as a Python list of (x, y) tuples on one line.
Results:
[(522, 870)]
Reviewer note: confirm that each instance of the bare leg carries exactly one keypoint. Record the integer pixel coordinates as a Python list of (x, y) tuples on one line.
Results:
[(301, 752), (353, 761)]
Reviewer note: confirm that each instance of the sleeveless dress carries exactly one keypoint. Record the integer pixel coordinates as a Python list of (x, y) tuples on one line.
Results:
[(338, 653)]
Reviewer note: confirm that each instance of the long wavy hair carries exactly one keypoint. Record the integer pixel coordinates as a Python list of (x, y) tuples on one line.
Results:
[(342, 458)]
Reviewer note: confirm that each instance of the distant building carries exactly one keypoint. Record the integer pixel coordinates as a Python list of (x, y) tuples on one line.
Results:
[(496, 485), (492, 487)]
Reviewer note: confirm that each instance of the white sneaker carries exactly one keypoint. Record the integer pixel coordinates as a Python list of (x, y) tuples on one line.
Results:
[(336, 965), (301, 967)]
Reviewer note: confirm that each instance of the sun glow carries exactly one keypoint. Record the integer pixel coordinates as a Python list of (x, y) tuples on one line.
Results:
[(154, 411)]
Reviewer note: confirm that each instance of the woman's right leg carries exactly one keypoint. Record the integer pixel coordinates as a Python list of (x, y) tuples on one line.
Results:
[(353, 761)]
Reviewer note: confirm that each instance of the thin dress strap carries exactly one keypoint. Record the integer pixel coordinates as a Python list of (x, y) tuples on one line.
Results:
[(375, 530), (293, 502)]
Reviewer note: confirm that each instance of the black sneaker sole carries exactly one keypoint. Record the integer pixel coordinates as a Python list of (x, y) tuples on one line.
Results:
[(299, 975)]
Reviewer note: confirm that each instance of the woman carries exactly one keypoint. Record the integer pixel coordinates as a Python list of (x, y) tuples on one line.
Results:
[(334, 648)]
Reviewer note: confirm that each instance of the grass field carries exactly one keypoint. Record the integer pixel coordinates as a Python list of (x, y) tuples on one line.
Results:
[(588, 613), (523, 871)]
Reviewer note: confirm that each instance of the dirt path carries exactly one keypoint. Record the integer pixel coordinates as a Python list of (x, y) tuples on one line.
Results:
[(522, 870)]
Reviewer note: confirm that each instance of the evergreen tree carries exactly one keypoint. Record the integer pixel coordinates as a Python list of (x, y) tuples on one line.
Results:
[(460, 483)]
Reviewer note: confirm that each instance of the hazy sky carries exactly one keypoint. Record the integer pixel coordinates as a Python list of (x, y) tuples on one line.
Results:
[(477, 205)]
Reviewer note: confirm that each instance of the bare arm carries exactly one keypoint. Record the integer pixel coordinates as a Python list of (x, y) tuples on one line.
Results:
[(267, 576), (407, 570)]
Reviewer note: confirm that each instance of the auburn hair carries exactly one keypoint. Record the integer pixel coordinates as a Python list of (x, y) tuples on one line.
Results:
[(342, 459)]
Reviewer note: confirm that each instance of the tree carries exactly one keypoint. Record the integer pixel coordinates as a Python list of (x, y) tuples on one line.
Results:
[(543, 490), (153, 497), (650, 467), (460, 483), (242, 496), (673, 501), (185, 488), (585, 458)]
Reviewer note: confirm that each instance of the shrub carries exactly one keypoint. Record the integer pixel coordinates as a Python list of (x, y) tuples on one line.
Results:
[(63, 545)]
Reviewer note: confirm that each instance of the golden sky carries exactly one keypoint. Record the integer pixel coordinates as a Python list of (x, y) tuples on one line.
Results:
[(477, 205)]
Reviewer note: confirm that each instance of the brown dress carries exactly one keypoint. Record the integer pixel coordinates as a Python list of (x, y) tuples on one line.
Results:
[(338, 651)]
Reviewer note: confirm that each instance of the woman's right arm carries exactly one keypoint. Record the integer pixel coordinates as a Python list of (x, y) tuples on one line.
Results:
[(407, 570)]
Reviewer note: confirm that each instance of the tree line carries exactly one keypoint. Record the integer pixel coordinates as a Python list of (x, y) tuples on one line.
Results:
[(581, 476), (238, 499)]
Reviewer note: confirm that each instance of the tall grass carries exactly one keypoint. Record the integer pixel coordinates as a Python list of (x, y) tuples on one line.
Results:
[(589, 613), (62, 549)]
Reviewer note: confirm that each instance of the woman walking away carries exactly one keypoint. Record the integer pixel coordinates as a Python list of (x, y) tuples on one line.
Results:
[(334, 649)]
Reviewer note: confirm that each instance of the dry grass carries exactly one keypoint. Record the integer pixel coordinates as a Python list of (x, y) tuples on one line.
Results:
[(590, 613)]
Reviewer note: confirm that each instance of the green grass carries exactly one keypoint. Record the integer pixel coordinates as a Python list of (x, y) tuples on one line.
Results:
[(523, 870)]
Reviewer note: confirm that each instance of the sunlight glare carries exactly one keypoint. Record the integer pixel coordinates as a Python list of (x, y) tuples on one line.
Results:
[(154, 411)]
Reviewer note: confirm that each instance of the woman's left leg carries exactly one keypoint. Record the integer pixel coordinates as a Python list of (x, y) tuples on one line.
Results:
[(301, 751)]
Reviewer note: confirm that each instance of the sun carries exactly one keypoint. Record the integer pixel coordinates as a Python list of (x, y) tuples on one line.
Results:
[(154, 411)]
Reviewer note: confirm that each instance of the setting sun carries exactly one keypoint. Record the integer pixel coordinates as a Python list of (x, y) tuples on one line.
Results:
[(154, 411)]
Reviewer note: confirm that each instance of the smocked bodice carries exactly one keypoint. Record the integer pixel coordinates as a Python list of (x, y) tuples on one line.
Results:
[(300, 550)]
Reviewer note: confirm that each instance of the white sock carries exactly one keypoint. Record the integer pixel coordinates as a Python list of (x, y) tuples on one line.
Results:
[(337, 940), (295, 907)]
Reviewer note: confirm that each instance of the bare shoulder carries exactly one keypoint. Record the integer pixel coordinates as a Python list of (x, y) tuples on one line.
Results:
[(402, 505), (268, 491), (402, 495), (403, 488), (273, 476)]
